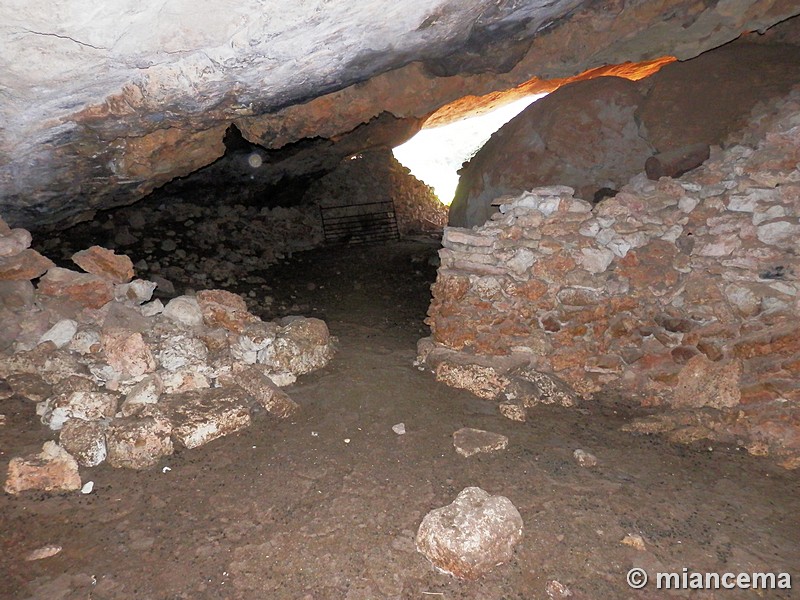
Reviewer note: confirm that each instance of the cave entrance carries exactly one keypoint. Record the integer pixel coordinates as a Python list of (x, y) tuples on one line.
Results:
[(436, 154)]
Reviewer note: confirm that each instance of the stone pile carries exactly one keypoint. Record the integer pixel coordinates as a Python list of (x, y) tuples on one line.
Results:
[(192, 241), (122, 377), (681, 293)]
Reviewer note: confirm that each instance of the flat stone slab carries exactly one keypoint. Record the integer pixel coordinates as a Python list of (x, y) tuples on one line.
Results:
[(468, 441), (200, 416)]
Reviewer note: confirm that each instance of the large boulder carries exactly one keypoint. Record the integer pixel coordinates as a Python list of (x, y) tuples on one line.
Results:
[(583, 135)]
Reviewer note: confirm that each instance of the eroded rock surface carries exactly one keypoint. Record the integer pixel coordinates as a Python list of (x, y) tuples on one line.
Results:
[(104, 109), (594, 135)]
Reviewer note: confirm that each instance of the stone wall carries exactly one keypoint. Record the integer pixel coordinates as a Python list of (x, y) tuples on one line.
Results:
[(376, 175), (681, 292)]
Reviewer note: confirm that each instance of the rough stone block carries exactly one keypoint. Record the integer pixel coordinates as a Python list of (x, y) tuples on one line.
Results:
[(301, 345), (224, 309), (201, 416), (702, 382), (52, 470), (104, 263), (85, 440), (472, 535), (276, 402), (126, 352), (26, 265), (484, 382), (139, 442)]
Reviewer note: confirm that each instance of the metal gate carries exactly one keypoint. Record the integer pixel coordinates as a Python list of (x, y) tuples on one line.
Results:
[(359, 223)]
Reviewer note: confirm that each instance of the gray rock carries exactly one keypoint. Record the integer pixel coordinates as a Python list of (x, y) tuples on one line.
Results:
[(472, 535), (61, 333), (468, 441)]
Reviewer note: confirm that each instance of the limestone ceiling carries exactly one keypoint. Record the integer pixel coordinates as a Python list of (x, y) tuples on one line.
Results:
[(102, 102)]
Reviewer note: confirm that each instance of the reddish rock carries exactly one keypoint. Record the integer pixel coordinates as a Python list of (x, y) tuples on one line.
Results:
[(14, 242), (16, 295), (52, 470), (780, 341), (224, 309), (127, 352), (86, 289), (702, 382), (104, 263), (26, 265)]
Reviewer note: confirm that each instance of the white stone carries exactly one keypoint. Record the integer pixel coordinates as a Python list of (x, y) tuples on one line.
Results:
[(595, 260), (184, 310), (619, 247), (742, 203), (605, 236), (151, 309), (147, 391), (137, 291), (61, 333), (687, 204), (778, 233), (773, 212), (522, 261), (590, 228), (672, 234), (88, 406), (86, 341), (180, 351)]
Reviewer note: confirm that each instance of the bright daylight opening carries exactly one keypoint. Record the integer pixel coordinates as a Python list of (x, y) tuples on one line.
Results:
[(436, 154)]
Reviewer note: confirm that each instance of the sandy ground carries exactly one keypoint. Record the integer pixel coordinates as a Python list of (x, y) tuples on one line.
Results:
[(291, 510)]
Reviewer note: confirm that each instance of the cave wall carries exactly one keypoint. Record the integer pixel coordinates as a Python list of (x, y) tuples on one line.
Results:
[(597, 133), (102, 106), (681, 293)]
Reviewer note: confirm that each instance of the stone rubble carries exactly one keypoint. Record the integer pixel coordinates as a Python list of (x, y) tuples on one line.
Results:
[(681, 293), (123, 378), (472, 535)]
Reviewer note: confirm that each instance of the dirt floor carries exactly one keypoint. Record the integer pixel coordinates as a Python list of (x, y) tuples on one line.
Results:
[(294, 510)]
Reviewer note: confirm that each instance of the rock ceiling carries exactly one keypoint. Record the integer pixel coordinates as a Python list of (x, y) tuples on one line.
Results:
[(103, 102)]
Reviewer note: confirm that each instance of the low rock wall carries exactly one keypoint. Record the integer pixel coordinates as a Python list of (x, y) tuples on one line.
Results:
[(681, 292)]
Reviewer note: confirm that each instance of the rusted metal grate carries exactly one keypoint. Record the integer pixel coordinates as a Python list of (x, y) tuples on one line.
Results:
[(359, 223)]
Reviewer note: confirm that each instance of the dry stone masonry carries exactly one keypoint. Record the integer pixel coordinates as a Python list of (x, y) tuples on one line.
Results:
[(124, 379), (682, 293)]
